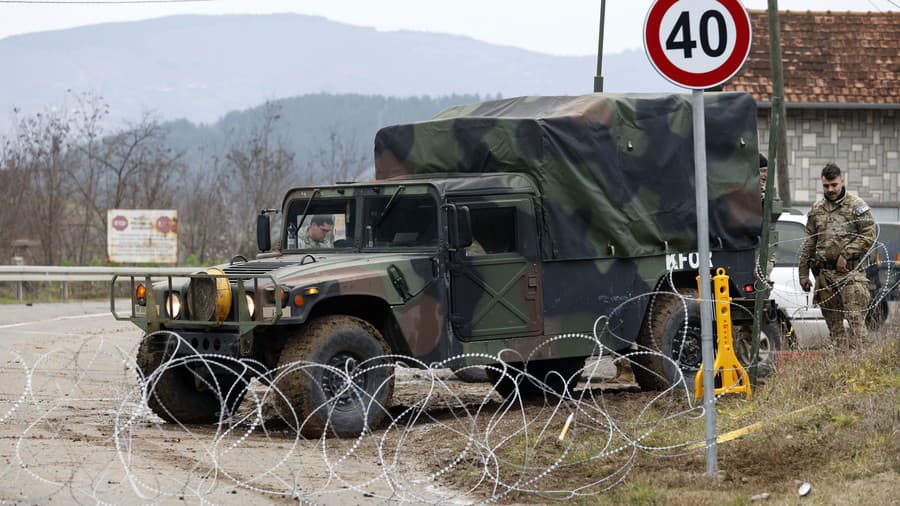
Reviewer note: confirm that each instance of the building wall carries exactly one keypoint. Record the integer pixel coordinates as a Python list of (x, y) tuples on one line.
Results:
[(864, 143)]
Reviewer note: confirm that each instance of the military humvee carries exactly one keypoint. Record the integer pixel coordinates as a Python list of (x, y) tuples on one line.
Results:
[(493, 226)]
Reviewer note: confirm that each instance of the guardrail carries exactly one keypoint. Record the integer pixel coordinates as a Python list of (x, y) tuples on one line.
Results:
[(22, 273)]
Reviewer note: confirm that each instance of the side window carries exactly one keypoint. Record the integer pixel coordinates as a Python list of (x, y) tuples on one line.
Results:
[(493, 230), (791, 237), (411, 221)]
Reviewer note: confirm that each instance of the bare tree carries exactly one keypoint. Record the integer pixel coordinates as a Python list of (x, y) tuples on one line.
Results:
[(15, 189), (260, 168), (41, 150), (85, 175), (338, 158), (127, 169), (203, 206)]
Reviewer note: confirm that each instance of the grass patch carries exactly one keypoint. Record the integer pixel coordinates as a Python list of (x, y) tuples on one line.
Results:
[(830, 419), (53, 291)]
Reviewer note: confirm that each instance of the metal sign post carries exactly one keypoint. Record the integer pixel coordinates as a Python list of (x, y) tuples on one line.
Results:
[(700, 44), (706, 334)]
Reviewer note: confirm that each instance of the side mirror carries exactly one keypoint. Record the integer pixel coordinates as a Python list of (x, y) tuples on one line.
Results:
[(460, 227), (263, 233)]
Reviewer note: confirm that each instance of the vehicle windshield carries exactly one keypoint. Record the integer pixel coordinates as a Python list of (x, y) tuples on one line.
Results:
[(397, 220), (328, 224)]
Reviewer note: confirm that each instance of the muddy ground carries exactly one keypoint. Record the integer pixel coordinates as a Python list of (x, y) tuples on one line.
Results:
[(73, 429)]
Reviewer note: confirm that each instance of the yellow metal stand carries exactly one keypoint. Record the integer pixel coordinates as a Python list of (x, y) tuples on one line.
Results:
[(733, 378)]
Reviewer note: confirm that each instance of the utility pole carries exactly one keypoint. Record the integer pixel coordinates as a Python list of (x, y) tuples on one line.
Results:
[(778, 108), (598, 79)]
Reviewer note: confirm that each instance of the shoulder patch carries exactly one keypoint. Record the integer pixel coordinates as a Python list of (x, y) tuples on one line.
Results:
[(863, 208)]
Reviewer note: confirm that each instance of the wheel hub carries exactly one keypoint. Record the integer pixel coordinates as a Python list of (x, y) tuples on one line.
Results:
[(334, 381), (686, 348)]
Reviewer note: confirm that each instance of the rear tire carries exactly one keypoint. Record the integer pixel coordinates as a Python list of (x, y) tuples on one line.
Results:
[(322, 400), (172, 393), (668, 331)]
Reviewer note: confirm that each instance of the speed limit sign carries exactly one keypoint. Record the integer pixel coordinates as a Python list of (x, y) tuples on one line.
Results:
[(697, 43)]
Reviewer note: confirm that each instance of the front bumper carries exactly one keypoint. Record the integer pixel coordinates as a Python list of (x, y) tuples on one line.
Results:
[(153, 315)]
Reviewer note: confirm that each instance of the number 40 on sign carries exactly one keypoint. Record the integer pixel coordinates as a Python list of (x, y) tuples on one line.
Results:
[(697, 43)]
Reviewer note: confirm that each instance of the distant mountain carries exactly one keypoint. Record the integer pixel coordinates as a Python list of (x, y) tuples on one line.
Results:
[(201, 67), (305, 123)]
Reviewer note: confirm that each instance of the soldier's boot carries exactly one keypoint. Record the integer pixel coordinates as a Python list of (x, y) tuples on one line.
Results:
[(624, 374)]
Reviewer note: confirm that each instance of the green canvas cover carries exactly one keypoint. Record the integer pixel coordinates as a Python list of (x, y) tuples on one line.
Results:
[(616, 172)]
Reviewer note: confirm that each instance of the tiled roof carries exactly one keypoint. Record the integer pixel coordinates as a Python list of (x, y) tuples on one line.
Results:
[(828, 57)]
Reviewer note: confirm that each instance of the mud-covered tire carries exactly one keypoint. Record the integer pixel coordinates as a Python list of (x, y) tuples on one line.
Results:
[(172, 393), (664, 331), (319, 395), (471, 374), (559, 374), (667, 330)]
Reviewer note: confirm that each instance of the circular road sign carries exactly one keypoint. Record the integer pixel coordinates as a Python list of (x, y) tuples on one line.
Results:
[(697, 43)]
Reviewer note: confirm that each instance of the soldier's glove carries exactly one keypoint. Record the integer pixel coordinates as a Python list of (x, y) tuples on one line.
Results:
[(841, 264), (805, 283)]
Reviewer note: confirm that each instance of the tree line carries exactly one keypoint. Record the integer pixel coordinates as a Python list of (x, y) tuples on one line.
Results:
[(62, 169)]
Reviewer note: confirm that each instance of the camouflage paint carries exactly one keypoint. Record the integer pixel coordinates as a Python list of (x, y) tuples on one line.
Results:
[(608, 182), (615, 172)]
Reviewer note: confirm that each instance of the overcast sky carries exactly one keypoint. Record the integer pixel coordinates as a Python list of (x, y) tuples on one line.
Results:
[(563, 27)]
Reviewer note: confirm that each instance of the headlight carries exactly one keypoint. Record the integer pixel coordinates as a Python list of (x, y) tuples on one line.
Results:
[(251, 306), (173, 305)]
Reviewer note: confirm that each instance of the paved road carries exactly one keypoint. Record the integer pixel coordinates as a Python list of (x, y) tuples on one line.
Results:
[(21, 322), (73, 428)]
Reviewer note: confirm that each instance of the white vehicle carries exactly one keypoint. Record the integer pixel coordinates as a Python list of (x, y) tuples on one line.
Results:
[(805, 326)]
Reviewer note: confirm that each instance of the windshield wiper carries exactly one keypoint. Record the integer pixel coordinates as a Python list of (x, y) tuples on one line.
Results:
[(306, 209), (389, 206)]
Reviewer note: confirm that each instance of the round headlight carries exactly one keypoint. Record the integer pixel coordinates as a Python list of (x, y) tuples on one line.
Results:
[(251, 306), (173, 305)]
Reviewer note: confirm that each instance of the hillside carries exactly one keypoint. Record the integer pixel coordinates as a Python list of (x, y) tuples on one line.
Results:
[(201, 67)]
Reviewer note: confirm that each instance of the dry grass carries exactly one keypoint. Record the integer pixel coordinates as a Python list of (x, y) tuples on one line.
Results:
[(830, 420)]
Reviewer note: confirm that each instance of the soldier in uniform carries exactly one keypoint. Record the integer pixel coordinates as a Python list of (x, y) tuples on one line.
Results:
[(840, 230), (318, 234)]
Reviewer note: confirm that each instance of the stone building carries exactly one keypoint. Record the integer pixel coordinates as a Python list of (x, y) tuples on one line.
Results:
[(842, 95)]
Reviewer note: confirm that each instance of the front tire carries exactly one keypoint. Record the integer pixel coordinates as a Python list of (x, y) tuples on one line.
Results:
[(189, 389), (313, 374)]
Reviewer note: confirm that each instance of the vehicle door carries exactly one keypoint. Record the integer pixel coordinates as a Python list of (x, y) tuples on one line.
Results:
[(806, 319), (495, 284)]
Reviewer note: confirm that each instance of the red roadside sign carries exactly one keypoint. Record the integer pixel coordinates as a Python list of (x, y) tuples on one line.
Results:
[(697, 44)]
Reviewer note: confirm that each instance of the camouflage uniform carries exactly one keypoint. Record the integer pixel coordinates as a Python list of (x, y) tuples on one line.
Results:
[(305, 242), (841, 228)]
